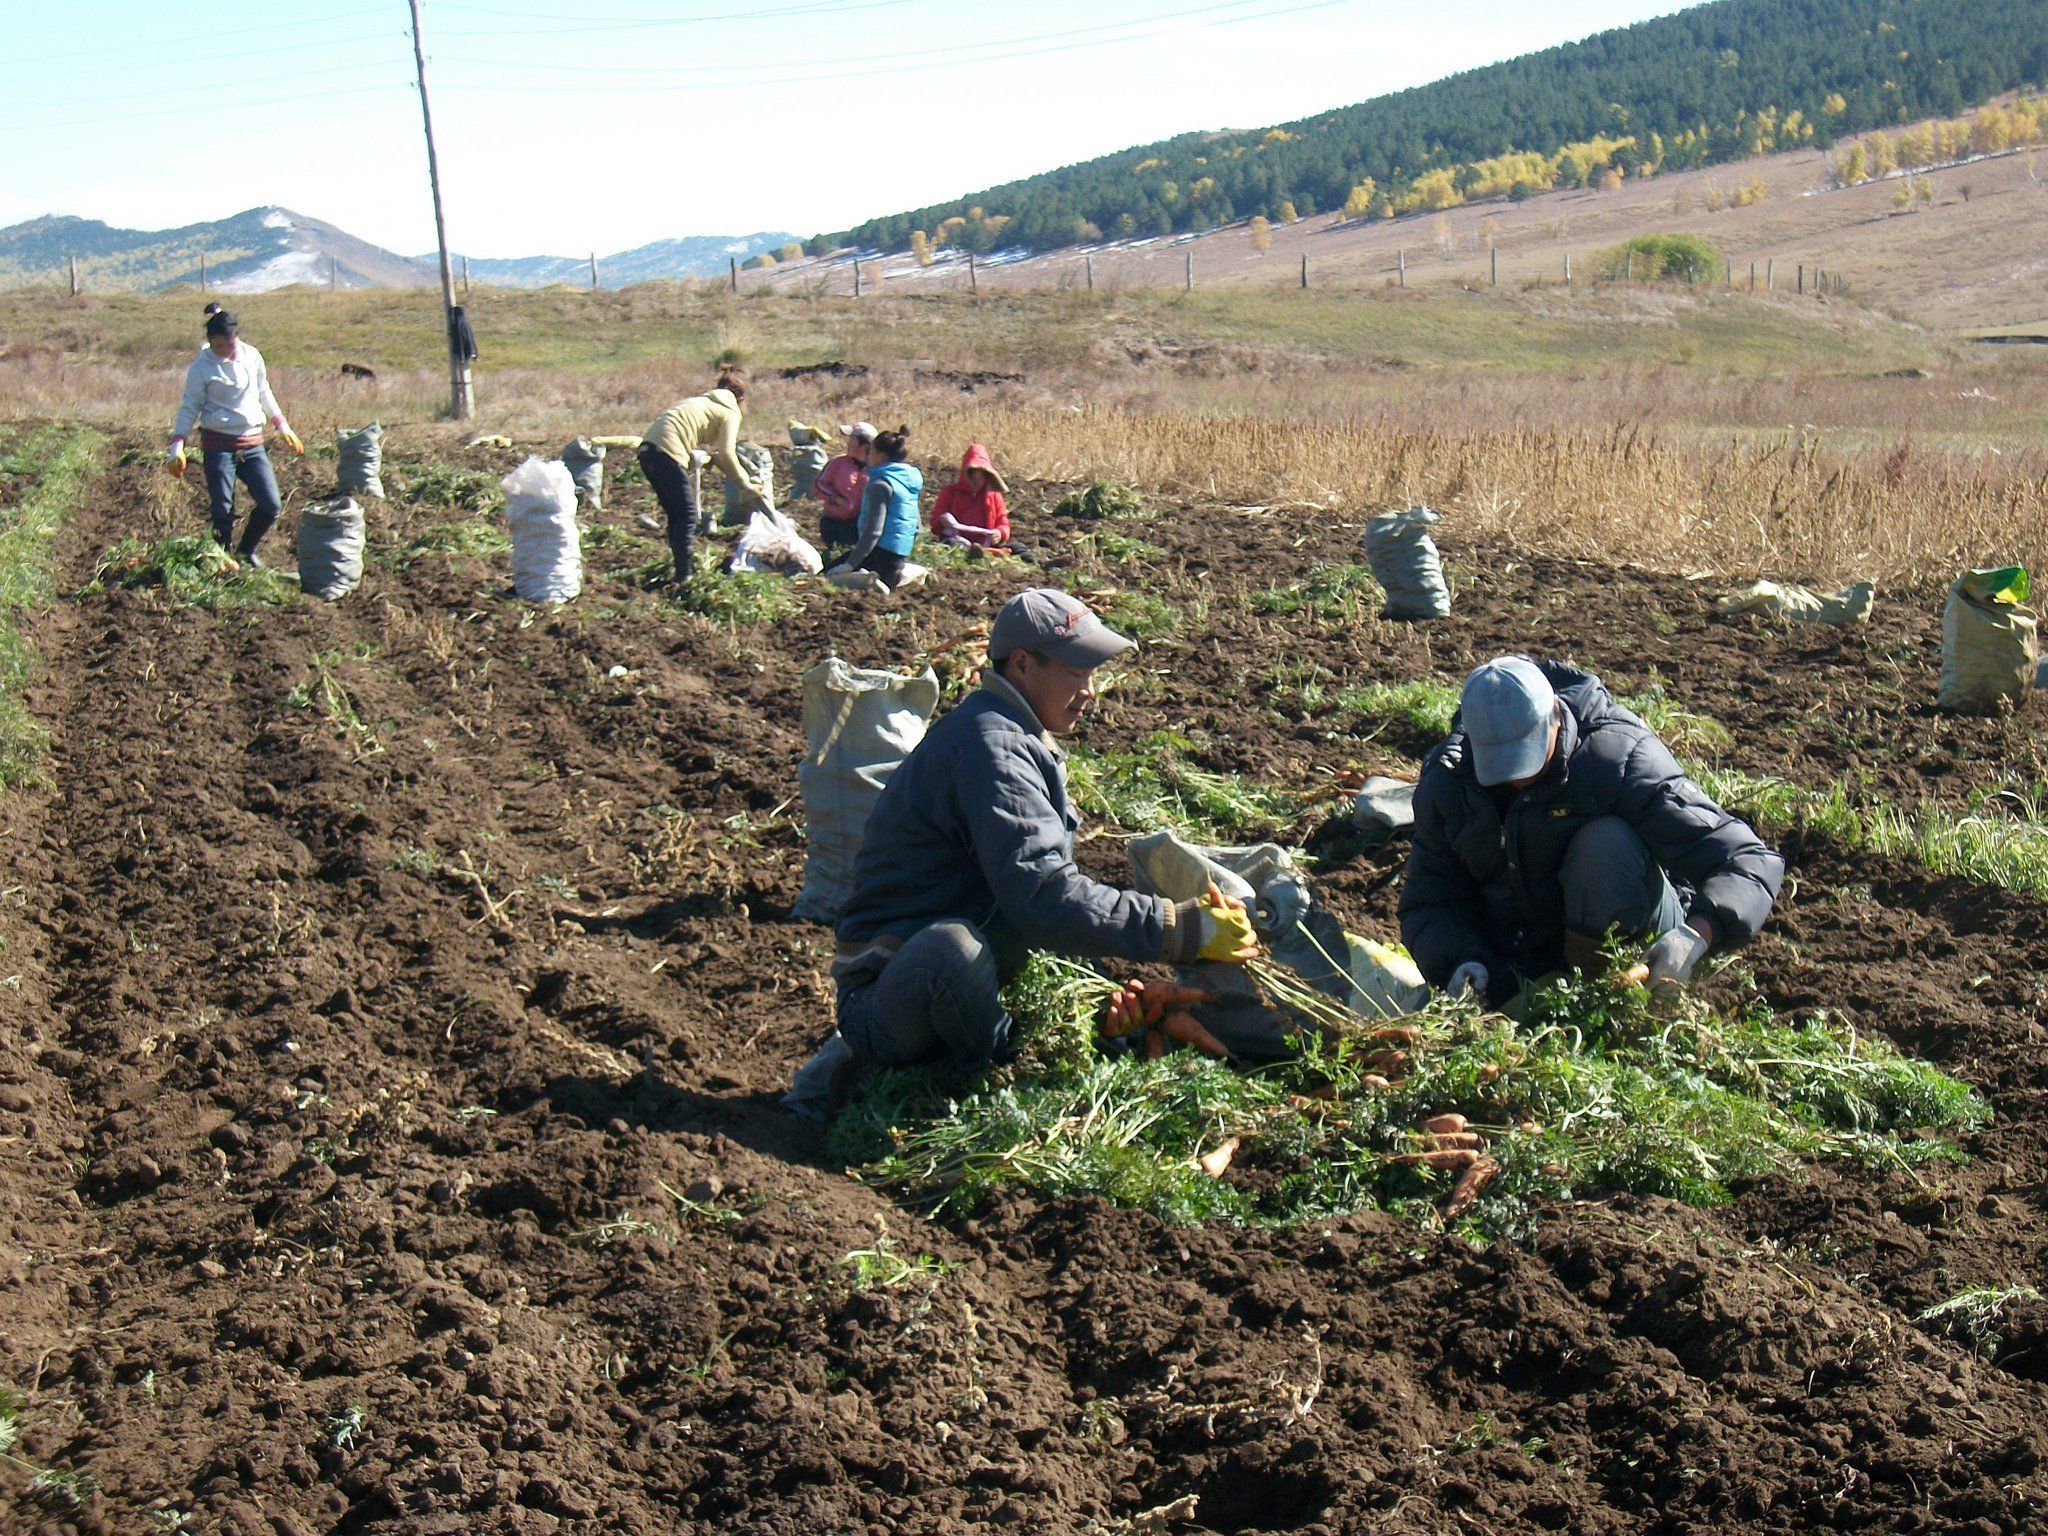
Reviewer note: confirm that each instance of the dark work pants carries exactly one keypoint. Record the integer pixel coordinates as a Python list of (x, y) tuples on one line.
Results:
[(839, 532), (223, 467), (1611, 881), (885, 565), (671, 482), (937, 999)]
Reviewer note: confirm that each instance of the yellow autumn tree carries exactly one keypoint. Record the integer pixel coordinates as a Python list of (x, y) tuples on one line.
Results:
[(1360, 199), (1286, 212), (921, 247), (1884, 156), (1261, 233)]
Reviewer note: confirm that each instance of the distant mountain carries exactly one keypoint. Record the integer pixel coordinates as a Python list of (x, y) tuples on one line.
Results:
[(266, 248), (252, 252), (688, 256), (1710, 84)]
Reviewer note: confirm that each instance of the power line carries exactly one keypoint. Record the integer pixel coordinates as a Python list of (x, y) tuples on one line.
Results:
[(44, 125), (184, 92), (184, 38), (697, 77), (895, 56), (629, 24)]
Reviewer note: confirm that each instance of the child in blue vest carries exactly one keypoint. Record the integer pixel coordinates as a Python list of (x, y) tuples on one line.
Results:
[(888, 510)]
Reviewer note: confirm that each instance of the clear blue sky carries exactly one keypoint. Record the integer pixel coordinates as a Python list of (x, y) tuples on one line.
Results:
[(574, 125)]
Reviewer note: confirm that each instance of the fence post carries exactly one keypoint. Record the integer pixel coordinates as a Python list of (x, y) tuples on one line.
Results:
[(1728, 271), (74, 277), (1770, 273), (1492, 265), (1401, 263), (1567, 269), (1189, 281), (330, 272), (1088, 265), (1802, 279), (856, 277), (1628, 267), (1752, 277), (593, 271), (973, 281), (1304, 271), (732, 273), (465, 279)]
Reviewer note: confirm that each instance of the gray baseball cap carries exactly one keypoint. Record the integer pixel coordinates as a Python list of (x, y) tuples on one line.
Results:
[(1054, 625), (1507, 707)]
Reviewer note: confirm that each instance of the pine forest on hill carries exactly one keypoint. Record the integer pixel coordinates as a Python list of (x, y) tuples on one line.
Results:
[(1716, 83)]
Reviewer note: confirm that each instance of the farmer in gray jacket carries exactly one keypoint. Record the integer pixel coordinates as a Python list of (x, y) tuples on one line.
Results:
[(967, 865), (1550, 817)]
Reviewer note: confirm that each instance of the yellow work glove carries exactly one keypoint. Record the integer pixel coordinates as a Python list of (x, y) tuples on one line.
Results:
[(291, 438), (1226, 928), (176, 461)]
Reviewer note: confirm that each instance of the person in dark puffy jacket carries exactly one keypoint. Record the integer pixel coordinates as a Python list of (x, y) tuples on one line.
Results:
[(1550, 817), (967, 865)]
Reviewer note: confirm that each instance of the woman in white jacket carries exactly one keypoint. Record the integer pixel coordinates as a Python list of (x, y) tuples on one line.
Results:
[(227, 396)]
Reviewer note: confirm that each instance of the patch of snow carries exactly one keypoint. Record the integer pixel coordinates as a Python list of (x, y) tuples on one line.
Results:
[(278, 272), (273, 218)]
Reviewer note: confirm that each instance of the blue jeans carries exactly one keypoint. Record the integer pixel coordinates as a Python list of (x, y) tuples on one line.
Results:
[(1611, 881), (252, 466), (937, 998)]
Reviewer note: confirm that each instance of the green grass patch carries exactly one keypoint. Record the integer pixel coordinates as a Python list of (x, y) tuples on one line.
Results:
[(1423, 703), (56, 463), (1100, 499), (1156, 785), (742, 597), (1329, 592), (193, 572), (2001, 839), (471, 539), (1141, 615), (1597, 1091), (1107, 546), (444, 485)]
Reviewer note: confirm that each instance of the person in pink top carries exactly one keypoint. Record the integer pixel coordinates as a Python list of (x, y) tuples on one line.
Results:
[(839, 486), (971, 512)]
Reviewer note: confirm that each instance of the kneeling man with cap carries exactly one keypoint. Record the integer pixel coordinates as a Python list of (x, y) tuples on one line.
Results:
[(967, 865), (1551, 817)]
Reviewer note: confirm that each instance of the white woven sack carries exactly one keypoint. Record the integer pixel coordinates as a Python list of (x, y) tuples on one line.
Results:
[(771, 543), (1989, 652), (547, 551), (331, 548), (1404, 561), (859, 725)]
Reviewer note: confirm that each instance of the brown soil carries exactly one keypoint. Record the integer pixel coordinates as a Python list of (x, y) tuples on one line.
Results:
[(334, 1061)]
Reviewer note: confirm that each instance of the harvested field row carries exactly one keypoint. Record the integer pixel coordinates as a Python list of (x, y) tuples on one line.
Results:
[(400, 991)]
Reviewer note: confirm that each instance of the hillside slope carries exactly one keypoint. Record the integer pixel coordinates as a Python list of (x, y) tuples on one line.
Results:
[(1708, 85), (252, 252), (685, 256)]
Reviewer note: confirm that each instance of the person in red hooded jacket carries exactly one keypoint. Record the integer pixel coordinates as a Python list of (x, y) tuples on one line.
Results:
[(971, 513)]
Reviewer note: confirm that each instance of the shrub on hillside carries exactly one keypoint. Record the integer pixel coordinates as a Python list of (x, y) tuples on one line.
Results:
[(1648, 257)]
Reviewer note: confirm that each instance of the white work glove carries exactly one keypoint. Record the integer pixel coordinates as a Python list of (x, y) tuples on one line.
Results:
[(1468, 979), (1675, 957)]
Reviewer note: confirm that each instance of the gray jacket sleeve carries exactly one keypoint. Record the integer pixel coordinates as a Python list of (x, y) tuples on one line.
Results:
[(1026, 855), (1443, 909), (1734, 877)]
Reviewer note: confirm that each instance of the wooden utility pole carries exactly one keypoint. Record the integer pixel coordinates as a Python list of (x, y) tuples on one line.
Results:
[(461, 397), (74, 277), (1752, 277), (1492, 265), (856, 277), (1802, 279), (732, 273), (1770, 272)]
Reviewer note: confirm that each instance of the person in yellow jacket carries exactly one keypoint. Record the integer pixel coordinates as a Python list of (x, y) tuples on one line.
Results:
[(710, 422)]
